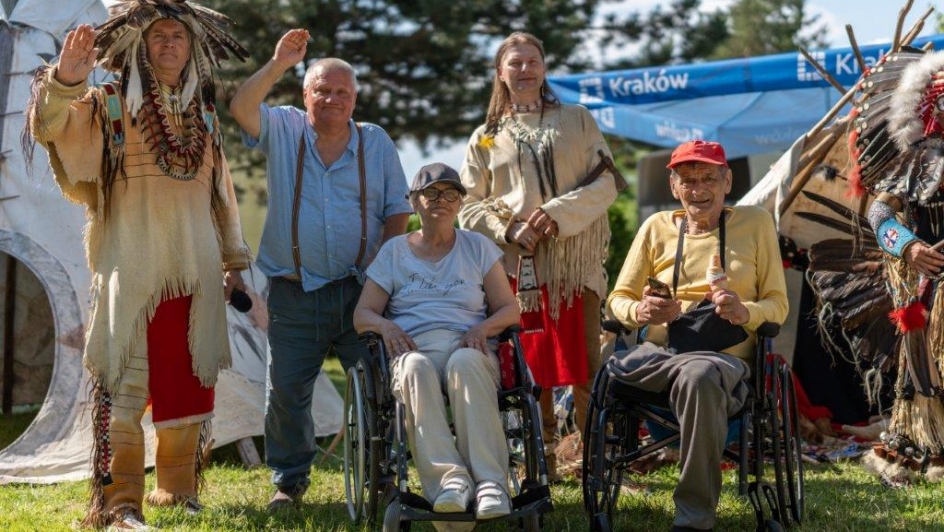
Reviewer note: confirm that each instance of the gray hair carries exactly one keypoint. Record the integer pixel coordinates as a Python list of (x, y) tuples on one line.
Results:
[(326, 64)]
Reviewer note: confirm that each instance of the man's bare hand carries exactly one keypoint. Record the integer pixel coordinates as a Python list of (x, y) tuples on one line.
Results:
[(923, 258), (729, 306), (232, 279), (655, 310), (291, 48), (78, 56)]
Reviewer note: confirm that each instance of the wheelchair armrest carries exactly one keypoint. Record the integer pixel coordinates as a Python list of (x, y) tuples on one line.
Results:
[(768, 329), (510, 331), (615, 327)]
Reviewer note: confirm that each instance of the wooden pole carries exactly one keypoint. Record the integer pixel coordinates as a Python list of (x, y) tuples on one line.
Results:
[(896, 42), (822, 71), (916, 29), (819, 151), (815, 157), (9, 308), (855, 49)]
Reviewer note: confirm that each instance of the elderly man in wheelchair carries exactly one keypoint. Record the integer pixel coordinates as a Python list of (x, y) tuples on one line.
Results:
[(703, 279), (436, 296)]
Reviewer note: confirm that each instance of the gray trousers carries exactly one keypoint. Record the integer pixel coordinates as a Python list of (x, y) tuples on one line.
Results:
[(705, 388)]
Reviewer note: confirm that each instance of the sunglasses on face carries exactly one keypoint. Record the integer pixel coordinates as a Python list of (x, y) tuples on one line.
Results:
[(433, 194)]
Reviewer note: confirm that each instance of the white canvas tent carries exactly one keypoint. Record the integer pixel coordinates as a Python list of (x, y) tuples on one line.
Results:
[(44, 233)]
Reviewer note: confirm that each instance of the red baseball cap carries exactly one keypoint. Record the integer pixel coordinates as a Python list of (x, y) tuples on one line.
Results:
[(698, 151)]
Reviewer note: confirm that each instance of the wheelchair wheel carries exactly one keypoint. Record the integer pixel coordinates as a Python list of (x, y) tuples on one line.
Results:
[(603, 476), (361, 446), (790, 488)]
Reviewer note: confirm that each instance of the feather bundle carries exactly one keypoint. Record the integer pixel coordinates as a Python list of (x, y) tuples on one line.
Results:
[(119, 40)]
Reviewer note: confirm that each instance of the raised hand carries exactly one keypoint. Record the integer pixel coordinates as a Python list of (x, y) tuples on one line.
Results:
[(291, 48), (78, 56)]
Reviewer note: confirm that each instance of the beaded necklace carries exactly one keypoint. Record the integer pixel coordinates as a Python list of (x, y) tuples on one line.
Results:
[(179, 155)]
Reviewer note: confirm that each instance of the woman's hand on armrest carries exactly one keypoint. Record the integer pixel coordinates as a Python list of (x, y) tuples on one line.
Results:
[(396, 341)]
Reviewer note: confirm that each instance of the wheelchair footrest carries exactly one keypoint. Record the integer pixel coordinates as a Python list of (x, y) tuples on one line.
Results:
[(530, 496), (763, 498), (415, 501)]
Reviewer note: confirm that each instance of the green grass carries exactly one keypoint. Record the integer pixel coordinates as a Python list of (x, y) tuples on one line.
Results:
[(11, 426), (839, 498)]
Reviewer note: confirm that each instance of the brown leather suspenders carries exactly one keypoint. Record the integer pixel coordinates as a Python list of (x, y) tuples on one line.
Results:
[(297, 200)]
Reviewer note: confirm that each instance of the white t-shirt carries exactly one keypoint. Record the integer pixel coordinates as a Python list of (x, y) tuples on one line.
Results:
[(424, 295)]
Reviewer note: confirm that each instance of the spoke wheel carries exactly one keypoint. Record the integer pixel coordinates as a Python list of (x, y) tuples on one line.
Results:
[(362, 447), (604, 478), (355, 450), (790, 490)]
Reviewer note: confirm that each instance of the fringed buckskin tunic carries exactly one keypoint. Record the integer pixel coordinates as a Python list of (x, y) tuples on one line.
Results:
[(537, 160), (160, 238)]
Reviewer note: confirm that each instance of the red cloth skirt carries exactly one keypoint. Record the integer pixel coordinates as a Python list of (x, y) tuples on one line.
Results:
[(175, 391), (558, 355)]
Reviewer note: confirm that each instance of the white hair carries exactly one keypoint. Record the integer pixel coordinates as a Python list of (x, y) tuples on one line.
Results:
[(326, 64)]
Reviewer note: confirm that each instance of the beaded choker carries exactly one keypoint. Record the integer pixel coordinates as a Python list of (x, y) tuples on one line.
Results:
[(526, 107)]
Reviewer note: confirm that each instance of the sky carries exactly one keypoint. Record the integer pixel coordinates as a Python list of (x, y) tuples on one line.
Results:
[(873, 21)]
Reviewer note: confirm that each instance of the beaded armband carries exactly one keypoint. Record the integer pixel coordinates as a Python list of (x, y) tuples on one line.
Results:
[(891, 234)]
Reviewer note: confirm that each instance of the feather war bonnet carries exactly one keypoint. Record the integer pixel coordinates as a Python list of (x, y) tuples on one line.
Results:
[(120, 41)]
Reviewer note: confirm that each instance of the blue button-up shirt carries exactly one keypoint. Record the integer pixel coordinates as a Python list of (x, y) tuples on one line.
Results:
[(329, 219)]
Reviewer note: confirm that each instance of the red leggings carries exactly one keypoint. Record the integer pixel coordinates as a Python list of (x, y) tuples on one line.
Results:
[(175, 391)]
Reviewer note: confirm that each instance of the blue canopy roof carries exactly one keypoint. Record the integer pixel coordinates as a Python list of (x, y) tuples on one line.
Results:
[(753, 105)]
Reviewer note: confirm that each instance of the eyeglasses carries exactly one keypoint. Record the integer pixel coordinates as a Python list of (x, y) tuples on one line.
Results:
[(433, 194)]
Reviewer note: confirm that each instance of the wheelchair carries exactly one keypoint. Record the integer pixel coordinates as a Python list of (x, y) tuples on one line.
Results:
[(376, 453), (769, 431)]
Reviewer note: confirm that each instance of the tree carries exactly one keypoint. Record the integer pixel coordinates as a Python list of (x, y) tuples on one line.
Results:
[(677, 33), (760, 27), (424, 66)]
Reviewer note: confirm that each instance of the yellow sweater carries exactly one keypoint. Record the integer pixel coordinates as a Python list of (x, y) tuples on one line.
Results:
[(162, 237), (752, 264)]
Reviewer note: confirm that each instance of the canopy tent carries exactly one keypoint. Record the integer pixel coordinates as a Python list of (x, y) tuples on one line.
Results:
[(43, 232), (753, 105)]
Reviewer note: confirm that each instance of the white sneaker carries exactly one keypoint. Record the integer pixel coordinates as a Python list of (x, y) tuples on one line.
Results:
[(491, 501), (453, 496)]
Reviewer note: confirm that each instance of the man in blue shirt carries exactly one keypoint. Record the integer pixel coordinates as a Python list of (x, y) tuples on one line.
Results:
[(328, 214)]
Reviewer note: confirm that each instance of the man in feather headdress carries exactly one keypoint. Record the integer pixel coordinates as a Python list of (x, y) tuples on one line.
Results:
[(144, 155), (898, 151)]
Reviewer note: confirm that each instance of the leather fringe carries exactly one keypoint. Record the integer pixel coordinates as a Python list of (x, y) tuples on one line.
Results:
[(100, 459), (573, 263), (204, 445)]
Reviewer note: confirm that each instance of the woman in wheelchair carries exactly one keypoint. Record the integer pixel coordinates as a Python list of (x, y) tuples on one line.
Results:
[(436, 296), (676, 248)]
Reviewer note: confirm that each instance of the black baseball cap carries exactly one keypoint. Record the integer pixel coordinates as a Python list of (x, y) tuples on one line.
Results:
[(436, 173)]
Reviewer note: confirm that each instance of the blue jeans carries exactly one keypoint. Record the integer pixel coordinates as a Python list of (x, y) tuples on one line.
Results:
[(304, 327)]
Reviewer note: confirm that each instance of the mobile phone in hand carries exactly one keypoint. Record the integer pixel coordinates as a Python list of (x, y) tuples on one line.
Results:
[(658, 289)]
